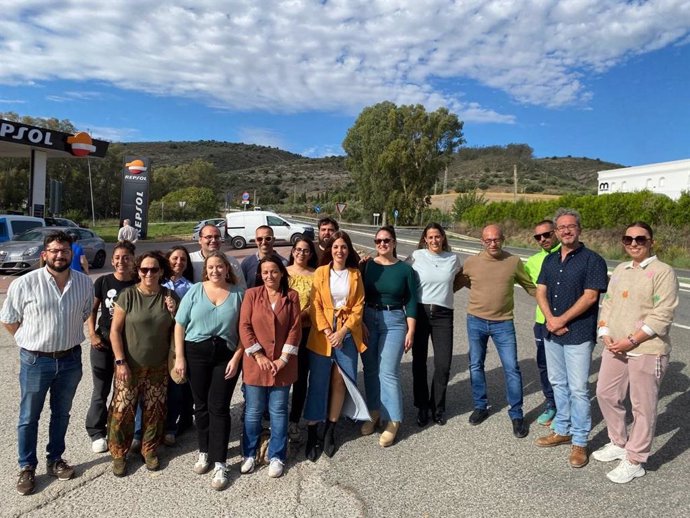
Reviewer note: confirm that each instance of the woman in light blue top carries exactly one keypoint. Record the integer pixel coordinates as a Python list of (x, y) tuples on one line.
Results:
[(207, 351), (436, 267)]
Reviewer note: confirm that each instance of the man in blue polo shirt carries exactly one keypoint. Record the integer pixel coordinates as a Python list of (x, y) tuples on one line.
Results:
[(568, 291)]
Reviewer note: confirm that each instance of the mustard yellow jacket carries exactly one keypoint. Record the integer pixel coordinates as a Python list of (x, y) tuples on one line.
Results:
[(323, 313)]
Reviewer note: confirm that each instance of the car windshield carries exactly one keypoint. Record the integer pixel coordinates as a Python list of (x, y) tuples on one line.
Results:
[(31, 235)]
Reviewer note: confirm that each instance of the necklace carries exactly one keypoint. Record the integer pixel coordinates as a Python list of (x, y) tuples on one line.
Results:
[(342, 273)]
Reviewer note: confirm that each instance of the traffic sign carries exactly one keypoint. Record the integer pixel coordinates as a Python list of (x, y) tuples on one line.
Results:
[(340, 207), (317, 209), (245, 196), (396, 213)]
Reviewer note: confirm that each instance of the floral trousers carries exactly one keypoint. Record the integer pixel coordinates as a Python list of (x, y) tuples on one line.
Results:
[(150, 385)]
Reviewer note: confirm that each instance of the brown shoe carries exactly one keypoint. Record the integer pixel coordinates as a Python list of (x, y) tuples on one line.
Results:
[(553, 439), (151, 461), (27, 480), (60, 469), (369, 427), (579, 457), (388, 436)]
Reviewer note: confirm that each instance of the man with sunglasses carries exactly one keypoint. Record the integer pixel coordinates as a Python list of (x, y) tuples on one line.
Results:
[(264, 243), (491, 276), (545, 235), (209, 240), (45, 311), (568, 289)]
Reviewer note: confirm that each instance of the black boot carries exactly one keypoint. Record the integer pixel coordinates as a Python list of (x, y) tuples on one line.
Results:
[(312, 450), (329, 438)]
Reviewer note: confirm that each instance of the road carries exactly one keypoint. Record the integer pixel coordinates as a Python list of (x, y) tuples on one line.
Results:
[(454, 470)]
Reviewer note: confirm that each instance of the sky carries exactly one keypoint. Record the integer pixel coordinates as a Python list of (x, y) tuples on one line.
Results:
[(597, 78)]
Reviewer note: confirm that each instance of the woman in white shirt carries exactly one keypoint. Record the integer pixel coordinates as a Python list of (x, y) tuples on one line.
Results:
[(436, 267)]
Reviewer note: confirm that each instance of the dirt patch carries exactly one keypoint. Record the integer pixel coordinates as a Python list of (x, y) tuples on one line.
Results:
[(445, 202)]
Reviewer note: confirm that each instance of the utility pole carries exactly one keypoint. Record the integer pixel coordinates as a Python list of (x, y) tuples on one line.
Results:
[(515, 182), (445, 180)]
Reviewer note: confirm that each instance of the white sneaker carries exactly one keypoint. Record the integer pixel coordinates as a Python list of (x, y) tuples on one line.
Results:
[(247, 465), (99, 445), (202, 466), (275, 468), (220, 478), (609, 452), (625, 472)]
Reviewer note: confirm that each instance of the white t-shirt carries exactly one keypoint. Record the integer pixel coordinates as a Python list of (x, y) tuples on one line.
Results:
[(436, 273), (340, 286)]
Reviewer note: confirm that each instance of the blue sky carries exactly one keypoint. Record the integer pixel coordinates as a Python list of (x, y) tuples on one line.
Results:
[(597, 78)]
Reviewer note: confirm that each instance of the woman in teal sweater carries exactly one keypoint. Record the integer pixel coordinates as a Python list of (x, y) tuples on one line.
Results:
[(389, 318)]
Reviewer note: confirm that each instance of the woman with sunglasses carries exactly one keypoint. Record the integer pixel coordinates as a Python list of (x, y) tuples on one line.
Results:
[(301, 266), (270, 332), (207, 352), (335, 340), (140, 335), (634, 324), (436, 268), (389, 318)]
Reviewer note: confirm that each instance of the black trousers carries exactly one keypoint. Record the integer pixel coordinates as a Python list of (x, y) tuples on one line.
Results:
[(102, 371), (437, 322), (299, 387), (206, 364)]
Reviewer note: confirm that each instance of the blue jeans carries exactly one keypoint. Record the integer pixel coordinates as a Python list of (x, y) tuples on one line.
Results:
[(568, 374), (381, 361), (502, 332), (318, 388), (255, 398), (37, 376), (539, 333)]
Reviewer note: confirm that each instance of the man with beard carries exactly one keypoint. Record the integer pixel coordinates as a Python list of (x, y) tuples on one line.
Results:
[(327, 227), (209, 240), (45, 311)]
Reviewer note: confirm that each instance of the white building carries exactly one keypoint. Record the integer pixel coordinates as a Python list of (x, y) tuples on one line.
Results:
[(669, 178)]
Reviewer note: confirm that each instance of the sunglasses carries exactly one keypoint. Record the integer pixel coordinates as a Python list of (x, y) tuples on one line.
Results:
[(384, 240), (639, 240), (266, 239), (543, 235), (153, 271), (303, 251)]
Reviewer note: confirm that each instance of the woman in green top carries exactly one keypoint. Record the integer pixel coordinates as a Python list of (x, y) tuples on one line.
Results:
[(301, 266), (389, 318), (140, 336)]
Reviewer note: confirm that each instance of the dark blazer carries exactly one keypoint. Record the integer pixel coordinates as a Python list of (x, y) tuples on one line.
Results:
[(259, 323)]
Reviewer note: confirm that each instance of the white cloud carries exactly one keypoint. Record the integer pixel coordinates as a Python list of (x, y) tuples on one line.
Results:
[(75, 96), (108, 133), (12, 101), (338, 56), (323, 151), (261, 137)]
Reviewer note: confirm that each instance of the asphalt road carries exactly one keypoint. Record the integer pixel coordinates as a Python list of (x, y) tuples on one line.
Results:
[(454, 470)]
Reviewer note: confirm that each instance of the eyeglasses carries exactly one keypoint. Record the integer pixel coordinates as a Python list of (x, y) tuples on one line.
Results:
[(211, 238), (639, 240), (153, 270), (266, 239), (303, 251), (492, 240), (56, 251), (543, 235), (562, 228), (383, 240)]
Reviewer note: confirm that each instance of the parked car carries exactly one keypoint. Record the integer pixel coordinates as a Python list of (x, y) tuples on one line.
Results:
[(241, 227), (219, 222), (23, 253), (60, 222), (12, 225)]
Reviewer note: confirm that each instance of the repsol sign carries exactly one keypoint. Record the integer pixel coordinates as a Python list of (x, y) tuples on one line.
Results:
[(26, 134), (80, 144), (134, 204)]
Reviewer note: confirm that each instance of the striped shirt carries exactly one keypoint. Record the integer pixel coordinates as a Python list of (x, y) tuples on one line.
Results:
[(50, 321)]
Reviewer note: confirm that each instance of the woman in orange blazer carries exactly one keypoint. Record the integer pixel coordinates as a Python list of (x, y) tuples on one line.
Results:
[(270, 332), (335, 337)]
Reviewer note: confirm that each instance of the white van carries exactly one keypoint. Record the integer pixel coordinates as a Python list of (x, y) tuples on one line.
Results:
[(241, 227), (14, 224)]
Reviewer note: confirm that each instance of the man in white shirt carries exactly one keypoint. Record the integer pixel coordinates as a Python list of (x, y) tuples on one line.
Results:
[(209, 240), (45, 311), (128, 232)]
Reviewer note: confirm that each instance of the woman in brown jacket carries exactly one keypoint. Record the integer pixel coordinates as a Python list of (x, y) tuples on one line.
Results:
[(335, 338), (270, 332)]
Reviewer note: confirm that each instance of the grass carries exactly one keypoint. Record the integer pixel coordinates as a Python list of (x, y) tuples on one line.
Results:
[(172, 231)]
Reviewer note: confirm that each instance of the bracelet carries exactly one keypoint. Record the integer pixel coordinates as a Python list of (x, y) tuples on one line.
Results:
[(633, 341)]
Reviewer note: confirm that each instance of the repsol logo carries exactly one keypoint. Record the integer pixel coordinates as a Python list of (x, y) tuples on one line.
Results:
[(135, 178), (603, 186), (24, 133), (139, 210)]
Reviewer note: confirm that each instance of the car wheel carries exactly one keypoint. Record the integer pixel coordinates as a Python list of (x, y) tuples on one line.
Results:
[(294, 238), (238, 242), (99, 260)]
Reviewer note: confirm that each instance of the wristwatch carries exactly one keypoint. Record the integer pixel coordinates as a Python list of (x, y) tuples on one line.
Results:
[(120, 362)]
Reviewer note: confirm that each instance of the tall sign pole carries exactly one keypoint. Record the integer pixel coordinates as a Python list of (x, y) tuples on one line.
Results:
[(134, 203)]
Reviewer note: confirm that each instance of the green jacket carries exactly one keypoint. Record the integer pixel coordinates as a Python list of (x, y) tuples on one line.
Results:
[(533, 267)]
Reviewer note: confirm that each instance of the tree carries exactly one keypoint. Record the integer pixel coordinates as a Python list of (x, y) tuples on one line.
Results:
[(200, 203), (395, 154)]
